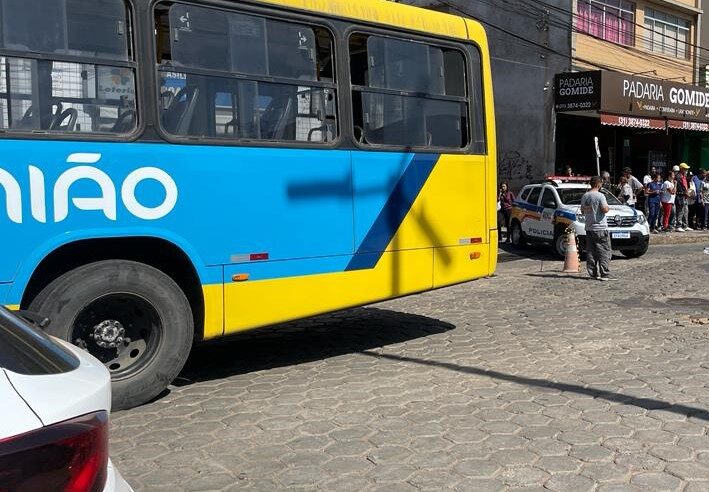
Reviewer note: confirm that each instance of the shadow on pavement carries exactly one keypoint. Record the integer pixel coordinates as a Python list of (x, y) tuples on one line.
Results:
[(646, 403), (570, 276), (346, 332)]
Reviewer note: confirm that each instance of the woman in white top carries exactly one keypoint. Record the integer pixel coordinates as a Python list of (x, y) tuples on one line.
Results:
[(626, 194), (667, 199)]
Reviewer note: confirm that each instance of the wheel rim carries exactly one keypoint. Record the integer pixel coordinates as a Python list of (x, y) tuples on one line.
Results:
[(561, 245), (121, 330)]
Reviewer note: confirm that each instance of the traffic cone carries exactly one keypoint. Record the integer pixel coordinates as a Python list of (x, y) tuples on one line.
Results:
[(571, 262)]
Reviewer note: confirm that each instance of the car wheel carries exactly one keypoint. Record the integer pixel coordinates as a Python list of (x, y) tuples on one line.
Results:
[(516, 235), (560, 245), (634, 253), (130, 316)]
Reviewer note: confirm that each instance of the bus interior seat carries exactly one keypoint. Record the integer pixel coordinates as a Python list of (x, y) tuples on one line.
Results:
[(125, 122), (65, 121), (177, 118)]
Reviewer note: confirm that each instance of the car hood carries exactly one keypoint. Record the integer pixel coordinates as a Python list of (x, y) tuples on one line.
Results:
[(622, 210)]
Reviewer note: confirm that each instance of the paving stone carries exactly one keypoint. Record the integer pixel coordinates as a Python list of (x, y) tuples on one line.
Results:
[(568, 481), (689, 471), (656, 481), (671, 453)]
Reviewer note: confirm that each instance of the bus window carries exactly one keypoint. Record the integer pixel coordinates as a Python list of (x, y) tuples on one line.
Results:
[(96, 28), (408, 94), (54, 95), (295, 103)]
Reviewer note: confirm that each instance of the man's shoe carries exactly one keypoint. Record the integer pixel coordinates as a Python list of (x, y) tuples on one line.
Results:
[(688, 228), (607, 278), (679, 229)]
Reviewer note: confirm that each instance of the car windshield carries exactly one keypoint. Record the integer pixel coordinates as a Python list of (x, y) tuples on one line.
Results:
[(572, 196)]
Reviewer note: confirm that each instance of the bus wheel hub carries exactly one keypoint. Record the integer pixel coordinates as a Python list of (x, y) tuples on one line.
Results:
[(109, 333)]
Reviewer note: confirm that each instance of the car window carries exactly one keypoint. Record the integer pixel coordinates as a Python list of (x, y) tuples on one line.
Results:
[(572, 196), (548, 196), (612, 200), (524, 194), (27, 350), (534, 195)]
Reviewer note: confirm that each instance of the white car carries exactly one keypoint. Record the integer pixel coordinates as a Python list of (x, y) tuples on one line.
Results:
[(54, 405), (543, 212)]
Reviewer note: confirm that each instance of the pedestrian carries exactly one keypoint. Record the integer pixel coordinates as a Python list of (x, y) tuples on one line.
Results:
[(653, 191), (699, 202), (691, 202), (626, 194), (506, 199), (635, 185), (647, 179), (598, 241), (650, 177), (681, 205), (667, 199), (705, 199)]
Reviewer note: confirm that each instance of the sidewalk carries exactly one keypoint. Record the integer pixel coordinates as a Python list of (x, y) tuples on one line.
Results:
[(680, 237)]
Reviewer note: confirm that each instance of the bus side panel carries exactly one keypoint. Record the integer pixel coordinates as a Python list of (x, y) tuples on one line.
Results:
[(262, 302), (455, 264), (476, 33)]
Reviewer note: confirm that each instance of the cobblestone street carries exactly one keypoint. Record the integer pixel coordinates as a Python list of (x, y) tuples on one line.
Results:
[(528, 379)]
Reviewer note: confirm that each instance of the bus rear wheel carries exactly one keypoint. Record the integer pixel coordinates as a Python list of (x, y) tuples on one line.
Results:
[(130, 316)]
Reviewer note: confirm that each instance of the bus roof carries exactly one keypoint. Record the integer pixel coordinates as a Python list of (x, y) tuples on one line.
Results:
[(386, 13)]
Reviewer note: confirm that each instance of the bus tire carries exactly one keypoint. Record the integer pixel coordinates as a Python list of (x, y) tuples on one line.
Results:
[(131, 316)]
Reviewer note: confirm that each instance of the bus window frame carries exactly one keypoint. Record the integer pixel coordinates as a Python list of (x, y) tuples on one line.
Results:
[(269, 13), (134, 31), (461, 46)]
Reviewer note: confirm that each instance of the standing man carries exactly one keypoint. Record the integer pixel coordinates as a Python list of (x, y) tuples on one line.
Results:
[(681, 199), (598, 241), (636, 186), (698, 181)]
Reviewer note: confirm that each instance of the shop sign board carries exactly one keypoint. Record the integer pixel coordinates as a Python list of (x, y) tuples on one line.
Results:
[(632, 96)]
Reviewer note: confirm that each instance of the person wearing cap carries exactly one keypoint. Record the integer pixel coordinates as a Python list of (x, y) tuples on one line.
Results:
[(681, 204)]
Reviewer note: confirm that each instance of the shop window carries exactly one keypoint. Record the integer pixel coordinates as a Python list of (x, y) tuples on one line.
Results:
[(611, 20)]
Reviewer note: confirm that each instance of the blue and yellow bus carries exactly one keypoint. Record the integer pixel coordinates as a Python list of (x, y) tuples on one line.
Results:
[(174, 171)]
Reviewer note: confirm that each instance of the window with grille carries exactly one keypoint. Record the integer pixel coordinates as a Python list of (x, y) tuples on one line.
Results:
[(610, 20), (66, 66), (667, 34)]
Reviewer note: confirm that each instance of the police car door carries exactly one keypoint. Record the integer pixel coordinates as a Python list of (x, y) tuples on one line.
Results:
[(530, 224), (548, 204)]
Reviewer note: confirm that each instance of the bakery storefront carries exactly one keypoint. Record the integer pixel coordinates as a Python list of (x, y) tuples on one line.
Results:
[(639, 122)]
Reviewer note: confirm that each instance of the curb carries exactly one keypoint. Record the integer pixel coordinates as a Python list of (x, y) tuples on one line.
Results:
[(689, 237)]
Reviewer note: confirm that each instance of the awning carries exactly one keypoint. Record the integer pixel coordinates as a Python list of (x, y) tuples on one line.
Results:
[(634, 122), (688, 125)]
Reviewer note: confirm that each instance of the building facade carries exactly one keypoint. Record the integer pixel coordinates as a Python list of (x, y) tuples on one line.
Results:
[(641, 59), (535, 42)]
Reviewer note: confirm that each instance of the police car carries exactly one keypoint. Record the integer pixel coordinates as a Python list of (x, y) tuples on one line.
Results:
[(544, 210)]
